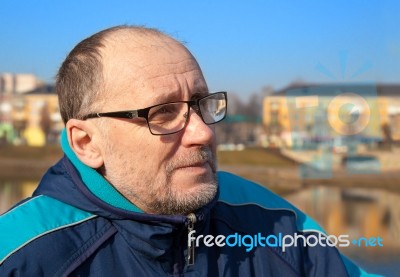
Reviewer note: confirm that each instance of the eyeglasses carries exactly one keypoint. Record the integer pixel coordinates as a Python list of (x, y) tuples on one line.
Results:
[(170, 118)]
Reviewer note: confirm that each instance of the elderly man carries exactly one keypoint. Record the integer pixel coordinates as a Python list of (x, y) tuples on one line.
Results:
[(137, 192)]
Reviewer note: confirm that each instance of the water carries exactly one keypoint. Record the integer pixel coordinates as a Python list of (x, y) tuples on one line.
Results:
[(356, 212), (360, 213), (11, 192)]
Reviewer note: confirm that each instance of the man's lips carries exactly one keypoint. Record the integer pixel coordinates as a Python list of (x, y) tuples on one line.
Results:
[(197, 168), (195, 165)]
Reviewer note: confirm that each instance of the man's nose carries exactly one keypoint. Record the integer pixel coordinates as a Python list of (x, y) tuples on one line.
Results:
[(196, 131)]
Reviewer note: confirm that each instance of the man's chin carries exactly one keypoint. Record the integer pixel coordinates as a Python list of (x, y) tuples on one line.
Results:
[(186, 191)]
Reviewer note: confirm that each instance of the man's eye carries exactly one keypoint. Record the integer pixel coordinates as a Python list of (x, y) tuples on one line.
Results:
[(164, 109), (163, 113)]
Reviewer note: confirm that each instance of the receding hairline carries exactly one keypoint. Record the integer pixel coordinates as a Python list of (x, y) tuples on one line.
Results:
[(137, 39), (138, 35)]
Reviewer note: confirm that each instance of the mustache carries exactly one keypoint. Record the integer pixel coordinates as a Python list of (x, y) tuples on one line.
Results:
[(196, 157)]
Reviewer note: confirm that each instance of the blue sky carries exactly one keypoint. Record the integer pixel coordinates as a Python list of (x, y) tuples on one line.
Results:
[(242, 47)]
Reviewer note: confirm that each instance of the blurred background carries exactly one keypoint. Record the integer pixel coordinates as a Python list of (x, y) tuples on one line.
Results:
[(314, 99)]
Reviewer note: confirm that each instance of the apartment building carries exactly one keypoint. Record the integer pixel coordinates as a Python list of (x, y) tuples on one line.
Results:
[(307, 113)]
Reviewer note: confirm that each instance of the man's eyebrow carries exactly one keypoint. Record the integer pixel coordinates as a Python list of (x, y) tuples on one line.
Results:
[(165, 98), (199, 94), (175, 96)]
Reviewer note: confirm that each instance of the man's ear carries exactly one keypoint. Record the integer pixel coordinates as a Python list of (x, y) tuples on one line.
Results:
[(83, 137)]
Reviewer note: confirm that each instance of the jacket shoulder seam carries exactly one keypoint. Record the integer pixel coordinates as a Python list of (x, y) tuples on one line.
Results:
[(40, 221)]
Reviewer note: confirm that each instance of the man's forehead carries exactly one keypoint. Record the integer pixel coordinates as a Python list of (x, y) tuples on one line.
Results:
[(153, 73), (170, 88), (145, 56)]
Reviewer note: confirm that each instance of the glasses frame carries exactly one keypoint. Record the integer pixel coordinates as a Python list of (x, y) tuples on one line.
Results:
[(144, 113)]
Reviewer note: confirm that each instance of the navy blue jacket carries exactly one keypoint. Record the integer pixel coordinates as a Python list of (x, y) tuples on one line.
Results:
[(76, 224)]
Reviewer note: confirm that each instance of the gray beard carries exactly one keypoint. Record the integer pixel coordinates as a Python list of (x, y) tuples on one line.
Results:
[(170, 204), (159, 196)]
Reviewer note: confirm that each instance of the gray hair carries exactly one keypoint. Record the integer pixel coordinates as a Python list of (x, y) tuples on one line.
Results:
[(79, 81)]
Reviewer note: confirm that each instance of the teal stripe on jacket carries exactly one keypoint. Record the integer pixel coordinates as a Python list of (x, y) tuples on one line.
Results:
[(237, 191), (33, 219)]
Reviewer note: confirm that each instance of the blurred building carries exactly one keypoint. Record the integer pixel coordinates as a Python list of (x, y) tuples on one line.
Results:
[(18, 83), (36, 116), (305, 114), (29, 111), (240, 129), (10, 86)]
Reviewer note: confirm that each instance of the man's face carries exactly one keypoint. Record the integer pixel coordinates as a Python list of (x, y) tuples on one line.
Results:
[(171, 174)]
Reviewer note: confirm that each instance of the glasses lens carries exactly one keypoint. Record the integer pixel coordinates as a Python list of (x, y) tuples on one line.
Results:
[(213, 108), (167, 118)]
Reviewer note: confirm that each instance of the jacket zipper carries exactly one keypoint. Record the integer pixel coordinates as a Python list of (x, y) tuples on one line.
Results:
[(191, 242)]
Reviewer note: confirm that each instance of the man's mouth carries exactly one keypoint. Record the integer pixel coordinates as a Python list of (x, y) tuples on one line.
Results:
[(195, 167)]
